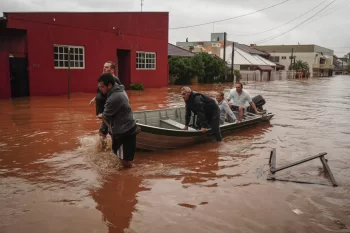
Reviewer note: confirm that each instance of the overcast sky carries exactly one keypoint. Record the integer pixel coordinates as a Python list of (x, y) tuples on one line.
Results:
[(330, 28)]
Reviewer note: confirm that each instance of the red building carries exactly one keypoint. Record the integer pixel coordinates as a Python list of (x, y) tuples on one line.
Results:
[(40, 52)]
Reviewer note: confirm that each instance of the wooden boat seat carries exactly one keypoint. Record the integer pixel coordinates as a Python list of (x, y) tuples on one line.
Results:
[(176, 124)]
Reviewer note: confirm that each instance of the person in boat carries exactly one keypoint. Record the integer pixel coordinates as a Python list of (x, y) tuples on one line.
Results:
[(100, 98), (118, 115), (206, 109), (225, 110), (237, 100)]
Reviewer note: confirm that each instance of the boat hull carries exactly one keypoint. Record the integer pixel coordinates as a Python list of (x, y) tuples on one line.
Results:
[(156, 135)]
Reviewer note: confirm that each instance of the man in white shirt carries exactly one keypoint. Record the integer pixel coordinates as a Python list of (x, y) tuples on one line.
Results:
[(224, 109), (237, 100)]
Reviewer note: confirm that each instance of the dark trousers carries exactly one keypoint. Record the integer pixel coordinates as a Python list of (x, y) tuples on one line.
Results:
[(100, 102), (215, 124), (100, 106), (124, 145)]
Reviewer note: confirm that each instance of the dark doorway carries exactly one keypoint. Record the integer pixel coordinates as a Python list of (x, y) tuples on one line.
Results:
[(19, 77), (124, 67)]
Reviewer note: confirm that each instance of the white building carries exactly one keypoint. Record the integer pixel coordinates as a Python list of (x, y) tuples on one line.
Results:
[(319, 59)]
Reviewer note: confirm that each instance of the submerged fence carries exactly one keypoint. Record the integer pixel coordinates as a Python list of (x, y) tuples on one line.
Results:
[(248, 76)]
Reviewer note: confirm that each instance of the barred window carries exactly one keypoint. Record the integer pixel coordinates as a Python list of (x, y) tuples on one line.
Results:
[(61, 59), (145, 61)]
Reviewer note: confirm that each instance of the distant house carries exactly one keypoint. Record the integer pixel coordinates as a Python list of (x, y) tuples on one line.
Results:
[(345, 64), (245, 57), (252, 50), (247, 61), (319, 59), (175, 51), (340, 66), (216, 46)]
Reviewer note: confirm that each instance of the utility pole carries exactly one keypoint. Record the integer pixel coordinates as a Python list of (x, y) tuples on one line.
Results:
[(141, 4), (225, 55), (232, 61), (291, 64), (291, 60), (294, 61)]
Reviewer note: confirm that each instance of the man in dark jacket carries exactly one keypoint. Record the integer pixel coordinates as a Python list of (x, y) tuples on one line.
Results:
[(118, 115), (206, 109), (100, 98)]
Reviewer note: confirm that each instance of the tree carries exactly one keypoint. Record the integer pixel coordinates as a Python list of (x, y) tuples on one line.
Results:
[(207, 68), (300, 66), (181, 69), (214, 68), (198, 66), (238, 75)]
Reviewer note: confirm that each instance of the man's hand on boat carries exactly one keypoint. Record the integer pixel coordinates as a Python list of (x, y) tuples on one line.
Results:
[(203, 130), (186, 127), (92, 102)]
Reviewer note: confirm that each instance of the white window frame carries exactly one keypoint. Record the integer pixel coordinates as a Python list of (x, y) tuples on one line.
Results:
[(146, 59), (77, 55)]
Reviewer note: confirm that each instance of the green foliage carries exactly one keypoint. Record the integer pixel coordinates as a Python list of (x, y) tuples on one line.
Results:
[(300, 65), (136, 86), (182, 69), (207, 68), (238, 75), (198, 66), (214, 69)]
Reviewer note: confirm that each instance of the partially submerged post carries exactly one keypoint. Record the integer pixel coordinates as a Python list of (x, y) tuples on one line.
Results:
[(273, 169)]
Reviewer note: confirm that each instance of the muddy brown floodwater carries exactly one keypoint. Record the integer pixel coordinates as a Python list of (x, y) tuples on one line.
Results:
[(54, 179)]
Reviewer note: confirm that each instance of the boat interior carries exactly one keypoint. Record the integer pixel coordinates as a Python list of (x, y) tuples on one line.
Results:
[(174, 118)]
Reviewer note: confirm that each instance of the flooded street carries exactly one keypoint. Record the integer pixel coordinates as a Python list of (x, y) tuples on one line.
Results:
[(53, 177)]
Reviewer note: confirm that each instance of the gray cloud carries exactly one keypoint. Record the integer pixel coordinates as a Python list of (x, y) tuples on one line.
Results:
[(329, 31)]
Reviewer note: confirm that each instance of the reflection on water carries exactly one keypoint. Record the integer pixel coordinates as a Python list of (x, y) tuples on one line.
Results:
[(54, 177)]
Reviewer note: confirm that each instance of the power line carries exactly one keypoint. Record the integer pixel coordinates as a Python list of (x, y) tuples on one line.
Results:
[(235, 17), (284, 23), (328, 12), (274, 37), (271, 38)]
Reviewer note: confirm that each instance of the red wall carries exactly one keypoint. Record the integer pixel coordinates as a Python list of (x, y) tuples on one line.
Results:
[(138, 32), (5, 88)]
